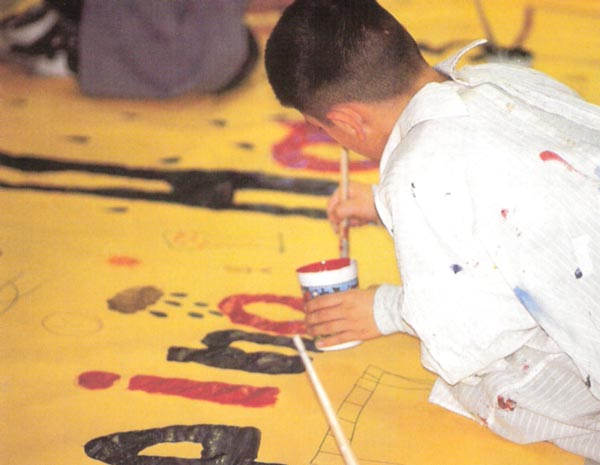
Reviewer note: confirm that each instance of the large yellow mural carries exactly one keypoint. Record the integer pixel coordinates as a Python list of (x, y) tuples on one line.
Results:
[(147, 252)]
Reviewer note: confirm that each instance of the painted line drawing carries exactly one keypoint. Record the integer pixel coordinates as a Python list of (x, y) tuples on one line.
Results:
[(72, 324), (11, 293), (354, 405), (194, 187), (201, 238)]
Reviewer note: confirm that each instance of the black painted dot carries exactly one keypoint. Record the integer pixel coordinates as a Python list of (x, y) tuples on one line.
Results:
[(17, 102), (178, 294), (196, 315), (578, 274), (158, 314), (78, 139), (200, 304), (220, 123), (130, 115), (215, 313), (245, 145), (173, 303), (118, 209), (170, 160)]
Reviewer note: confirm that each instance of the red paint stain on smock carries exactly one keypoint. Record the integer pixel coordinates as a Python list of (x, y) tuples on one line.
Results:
[(221, 393), (506, 404), (548, 155)]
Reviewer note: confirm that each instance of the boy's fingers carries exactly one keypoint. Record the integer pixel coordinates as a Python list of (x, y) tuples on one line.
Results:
[(334, 339), (333, 201), (322, 302), (323, 316), (327, 328)]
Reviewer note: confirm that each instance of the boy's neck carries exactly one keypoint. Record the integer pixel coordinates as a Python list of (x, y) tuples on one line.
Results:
[(388, 112)]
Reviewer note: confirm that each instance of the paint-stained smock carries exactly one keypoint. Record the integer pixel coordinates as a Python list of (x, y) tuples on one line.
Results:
[(490, 187)]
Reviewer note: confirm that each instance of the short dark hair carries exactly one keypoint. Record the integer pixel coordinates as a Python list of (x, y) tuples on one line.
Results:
[(323, 52)]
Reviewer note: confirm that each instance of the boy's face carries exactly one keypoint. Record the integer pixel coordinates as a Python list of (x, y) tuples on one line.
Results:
[(346, 138)]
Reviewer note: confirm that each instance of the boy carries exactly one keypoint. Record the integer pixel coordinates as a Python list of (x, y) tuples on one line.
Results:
[(489, 185)]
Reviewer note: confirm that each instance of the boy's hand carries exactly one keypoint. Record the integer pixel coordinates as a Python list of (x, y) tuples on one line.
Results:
[(342, 317), (359, 208)]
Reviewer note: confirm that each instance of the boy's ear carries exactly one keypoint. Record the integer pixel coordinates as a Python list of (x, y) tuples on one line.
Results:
[(349, 119)]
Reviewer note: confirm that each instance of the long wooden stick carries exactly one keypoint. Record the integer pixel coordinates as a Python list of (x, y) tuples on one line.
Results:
[(344, 182), (334, 424)]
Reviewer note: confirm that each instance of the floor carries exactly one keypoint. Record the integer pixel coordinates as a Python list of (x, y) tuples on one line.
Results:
[(142, 319)]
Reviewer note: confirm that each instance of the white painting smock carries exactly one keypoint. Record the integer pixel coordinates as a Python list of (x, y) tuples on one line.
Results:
[(490, 187)]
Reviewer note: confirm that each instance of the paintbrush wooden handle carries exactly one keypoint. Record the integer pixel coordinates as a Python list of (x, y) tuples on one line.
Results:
[(334, 424), (344, 183)]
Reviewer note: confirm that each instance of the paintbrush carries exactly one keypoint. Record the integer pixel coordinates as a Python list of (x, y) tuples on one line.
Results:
[(334, 424), (344, 181)]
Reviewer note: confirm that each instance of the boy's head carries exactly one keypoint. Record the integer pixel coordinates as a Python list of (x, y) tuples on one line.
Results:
[(326, 52)]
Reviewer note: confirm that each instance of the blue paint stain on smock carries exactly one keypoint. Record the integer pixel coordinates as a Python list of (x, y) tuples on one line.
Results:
[(456, 268), (527, 301)]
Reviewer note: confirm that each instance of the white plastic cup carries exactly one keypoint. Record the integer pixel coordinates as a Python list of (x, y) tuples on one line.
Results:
[(329, 277)]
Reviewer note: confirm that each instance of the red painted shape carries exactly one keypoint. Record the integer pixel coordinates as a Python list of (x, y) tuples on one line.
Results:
[(325, 265), (120, 260), (504, 213), (234, 307), (221, 393), (290, 151), (97, 379)]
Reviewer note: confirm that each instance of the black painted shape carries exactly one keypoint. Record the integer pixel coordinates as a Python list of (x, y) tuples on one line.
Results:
[(221, 445), (230, 358), (220, 355), (198, 188), (226, 337)]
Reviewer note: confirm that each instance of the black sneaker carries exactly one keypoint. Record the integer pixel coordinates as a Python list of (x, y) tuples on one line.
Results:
[(27, 27), (40, 40)]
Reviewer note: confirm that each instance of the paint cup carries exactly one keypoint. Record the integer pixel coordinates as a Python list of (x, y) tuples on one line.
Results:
[(329, 277)]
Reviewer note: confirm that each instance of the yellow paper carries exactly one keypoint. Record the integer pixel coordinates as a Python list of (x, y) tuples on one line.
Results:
[(71, 241)]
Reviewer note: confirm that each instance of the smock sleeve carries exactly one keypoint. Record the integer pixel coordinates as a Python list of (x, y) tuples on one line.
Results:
[(387, 310)]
